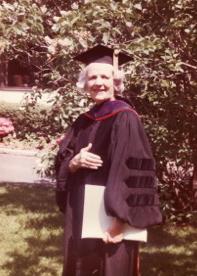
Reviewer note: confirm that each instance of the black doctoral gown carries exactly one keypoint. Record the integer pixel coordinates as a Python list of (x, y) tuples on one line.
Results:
[(128, 173)]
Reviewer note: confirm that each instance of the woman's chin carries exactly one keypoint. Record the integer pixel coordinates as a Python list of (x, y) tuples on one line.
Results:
[(101, 98)]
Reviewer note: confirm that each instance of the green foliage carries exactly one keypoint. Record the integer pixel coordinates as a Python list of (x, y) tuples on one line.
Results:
[(176, 193), (161, 80), (27, 122)]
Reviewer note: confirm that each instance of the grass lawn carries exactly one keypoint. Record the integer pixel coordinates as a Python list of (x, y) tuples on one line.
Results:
[(31, 238)]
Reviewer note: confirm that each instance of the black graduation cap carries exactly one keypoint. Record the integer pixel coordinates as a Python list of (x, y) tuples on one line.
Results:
[(100, 51)]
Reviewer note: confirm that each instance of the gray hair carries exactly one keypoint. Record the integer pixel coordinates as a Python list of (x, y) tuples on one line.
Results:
[(118, 81)]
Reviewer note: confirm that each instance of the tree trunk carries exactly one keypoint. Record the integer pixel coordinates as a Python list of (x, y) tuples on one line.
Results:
[(194, 181)]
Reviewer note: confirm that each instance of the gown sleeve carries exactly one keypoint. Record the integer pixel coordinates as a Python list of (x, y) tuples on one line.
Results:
[(131, 193), (63, 157)]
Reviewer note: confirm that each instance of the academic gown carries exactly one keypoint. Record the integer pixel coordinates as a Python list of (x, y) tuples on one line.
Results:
[(128, 173)]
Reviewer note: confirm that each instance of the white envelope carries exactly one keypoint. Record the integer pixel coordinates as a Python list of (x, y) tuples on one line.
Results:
[(96, 221)]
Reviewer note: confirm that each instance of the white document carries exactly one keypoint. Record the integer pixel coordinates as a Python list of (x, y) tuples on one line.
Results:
[(96, 221)]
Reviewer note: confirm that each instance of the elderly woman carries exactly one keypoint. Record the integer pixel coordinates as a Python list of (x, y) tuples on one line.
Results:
[(106, 146)]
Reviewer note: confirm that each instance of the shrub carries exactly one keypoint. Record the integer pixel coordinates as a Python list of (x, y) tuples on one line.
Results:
[(177, 197), (30, 123), (6, 126)]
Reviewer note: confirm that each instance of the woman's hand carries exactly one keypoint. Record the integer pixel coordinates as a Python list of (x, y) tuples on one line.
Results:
[(114, 234), (85, 159)]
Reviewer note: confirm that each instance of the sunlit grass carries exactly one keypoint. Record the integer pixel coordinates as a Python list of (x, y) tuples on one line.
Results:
[(171, 251), (30, 231), (31, 238)]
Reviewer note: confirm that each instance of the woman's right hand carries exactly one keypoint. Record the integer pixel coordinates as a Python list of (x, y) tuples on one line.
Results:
[(85, 159)]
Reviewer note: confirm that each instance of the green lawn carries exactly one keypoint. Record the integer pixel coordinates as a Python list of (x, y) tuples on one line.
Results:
[(31, 238)]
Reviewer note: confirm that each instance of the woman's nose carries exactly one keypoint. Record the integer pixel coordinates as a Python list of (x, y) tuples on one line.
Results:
[(98, 81)]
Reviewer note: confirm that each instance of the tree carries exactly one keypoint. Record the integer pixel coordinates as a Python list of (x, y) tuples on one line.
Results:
[(161, 81)]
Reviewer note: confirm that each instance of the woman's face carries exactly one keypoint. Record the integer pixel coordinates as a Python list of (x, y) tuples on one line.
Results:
[(99, 82)]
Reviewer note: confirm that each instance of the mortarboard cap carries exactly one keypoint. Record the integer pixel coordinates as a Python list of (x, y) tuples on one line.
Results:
[(101, 53)]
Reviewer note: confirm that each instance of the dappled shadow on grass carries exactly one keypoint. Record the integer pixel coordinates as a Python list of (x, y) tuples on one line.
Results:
[(170, 253), (26, 265), (31, 197), (40, 238), (41, 230), (166, 264)]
